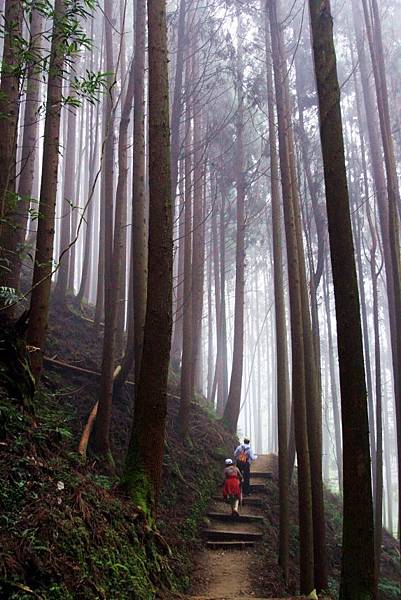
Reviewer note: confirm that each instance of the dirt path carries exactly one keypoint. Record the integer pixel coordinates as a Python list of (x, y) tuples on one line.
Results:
[(224, 574)]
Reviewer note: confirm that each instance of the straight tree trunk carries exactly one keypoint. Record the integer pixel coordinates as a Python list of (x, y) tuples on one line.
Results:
[(177, 104), (280, 320), (111, 270), (296, 317), (333, 386), (378, 457), (374, 33), (133, 351), (9, 111), (358, 580), (232, 408), (186, 390), (37, 327), (146, 447), (68, 205), (29, 141), (86, 265)]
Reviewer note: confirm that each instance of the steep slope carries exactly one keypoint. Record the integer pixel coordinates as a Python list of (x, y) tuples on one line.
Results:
[(66, 528)]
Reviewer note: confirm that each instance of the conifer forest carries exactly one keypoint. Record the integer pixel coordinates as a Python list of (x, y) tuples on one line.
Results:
[(200, 299)]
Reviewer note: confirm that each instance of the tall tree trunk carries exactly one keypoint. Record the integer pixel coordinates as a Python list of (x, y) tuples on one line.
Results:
[(146, 447), (297, 341), (133, 351), (378, 457), (177, 102), (103, 419), (333, 386), (358, 570), (68, 204), (87, 262), (198, 244), (29, 140), (280, 321), (9, 111), (374, 33), (186, 392), (37, 328), (232, 408)]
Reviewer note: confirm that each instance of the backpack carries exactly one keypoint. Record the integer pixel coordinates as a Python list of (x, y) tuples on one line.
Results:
[(243, 455)]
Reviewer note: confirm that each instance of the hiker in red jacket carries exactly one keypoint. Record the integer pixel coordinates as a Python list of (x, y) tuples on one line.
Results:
[(232, 486), (244, 456)]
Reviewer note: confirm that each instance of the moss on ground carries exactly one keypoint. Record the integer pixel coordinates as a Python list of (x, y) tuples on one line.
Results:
[(65, 531)]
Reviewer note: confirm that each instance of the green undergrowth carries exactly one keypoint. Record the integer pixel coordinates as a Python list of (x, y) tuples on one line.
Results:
[(66, 529), (273, 585), (66, 532)]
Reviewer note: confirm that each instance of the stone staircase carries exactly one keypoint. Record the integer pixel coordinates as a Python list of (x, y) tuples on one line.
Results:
[(227, 532)]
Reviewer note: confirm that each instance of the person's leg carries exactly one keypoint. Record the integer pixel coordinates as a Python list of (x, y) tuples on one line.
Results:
[(247, 475)]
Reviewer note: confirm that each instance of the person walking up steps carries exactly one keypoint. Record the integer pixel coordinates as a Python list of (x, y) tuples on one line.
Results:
[(244, 456), (232, 486)]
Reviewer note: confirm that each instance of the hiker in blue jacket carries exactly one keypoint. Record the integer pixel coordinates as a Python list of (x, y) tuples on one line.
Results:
[(244, 456)]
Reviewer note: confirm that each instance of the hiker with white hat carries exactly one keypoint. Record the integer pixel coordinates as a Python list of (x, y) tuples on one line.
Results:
[(232, 486)]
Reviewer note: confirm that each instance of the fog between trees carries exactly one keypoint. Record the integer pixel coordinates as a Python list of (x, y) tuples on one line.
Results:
[(231, 235)]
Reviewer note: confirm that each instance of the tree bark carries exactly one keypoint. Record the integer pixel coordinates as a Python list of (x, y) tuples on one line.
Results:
[(358, 569), (280, 320), (133, 351), (187, 335), (145, 453), (232, 408), (9, 111), (296, 318), (37, 327)]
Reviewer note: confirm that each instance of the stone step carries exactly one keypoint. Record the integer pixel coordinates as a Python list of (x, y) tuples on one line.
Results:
[(247, 501), (233, 535), (264, 474), (242, 518), (257, 487), (229, 545)]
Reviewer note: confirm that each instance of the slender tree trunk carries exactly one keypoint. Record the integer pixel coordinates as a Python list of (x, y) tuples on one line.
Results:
[(68, 205), (29, 142), (297, 341), (374, 33), (87, 262), (280, 322), (232, 408), (37, 328), (186, 392), (333, 386), (111, 256), (223, 386), (378, 457), (358, 569), (145, 453), (9, 111), (177, 103), (133, 352)]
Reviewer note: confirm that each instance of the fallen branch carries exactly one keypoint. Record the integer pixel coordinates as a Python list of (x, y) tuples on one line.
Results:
[(64, 365), (83, 443)]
